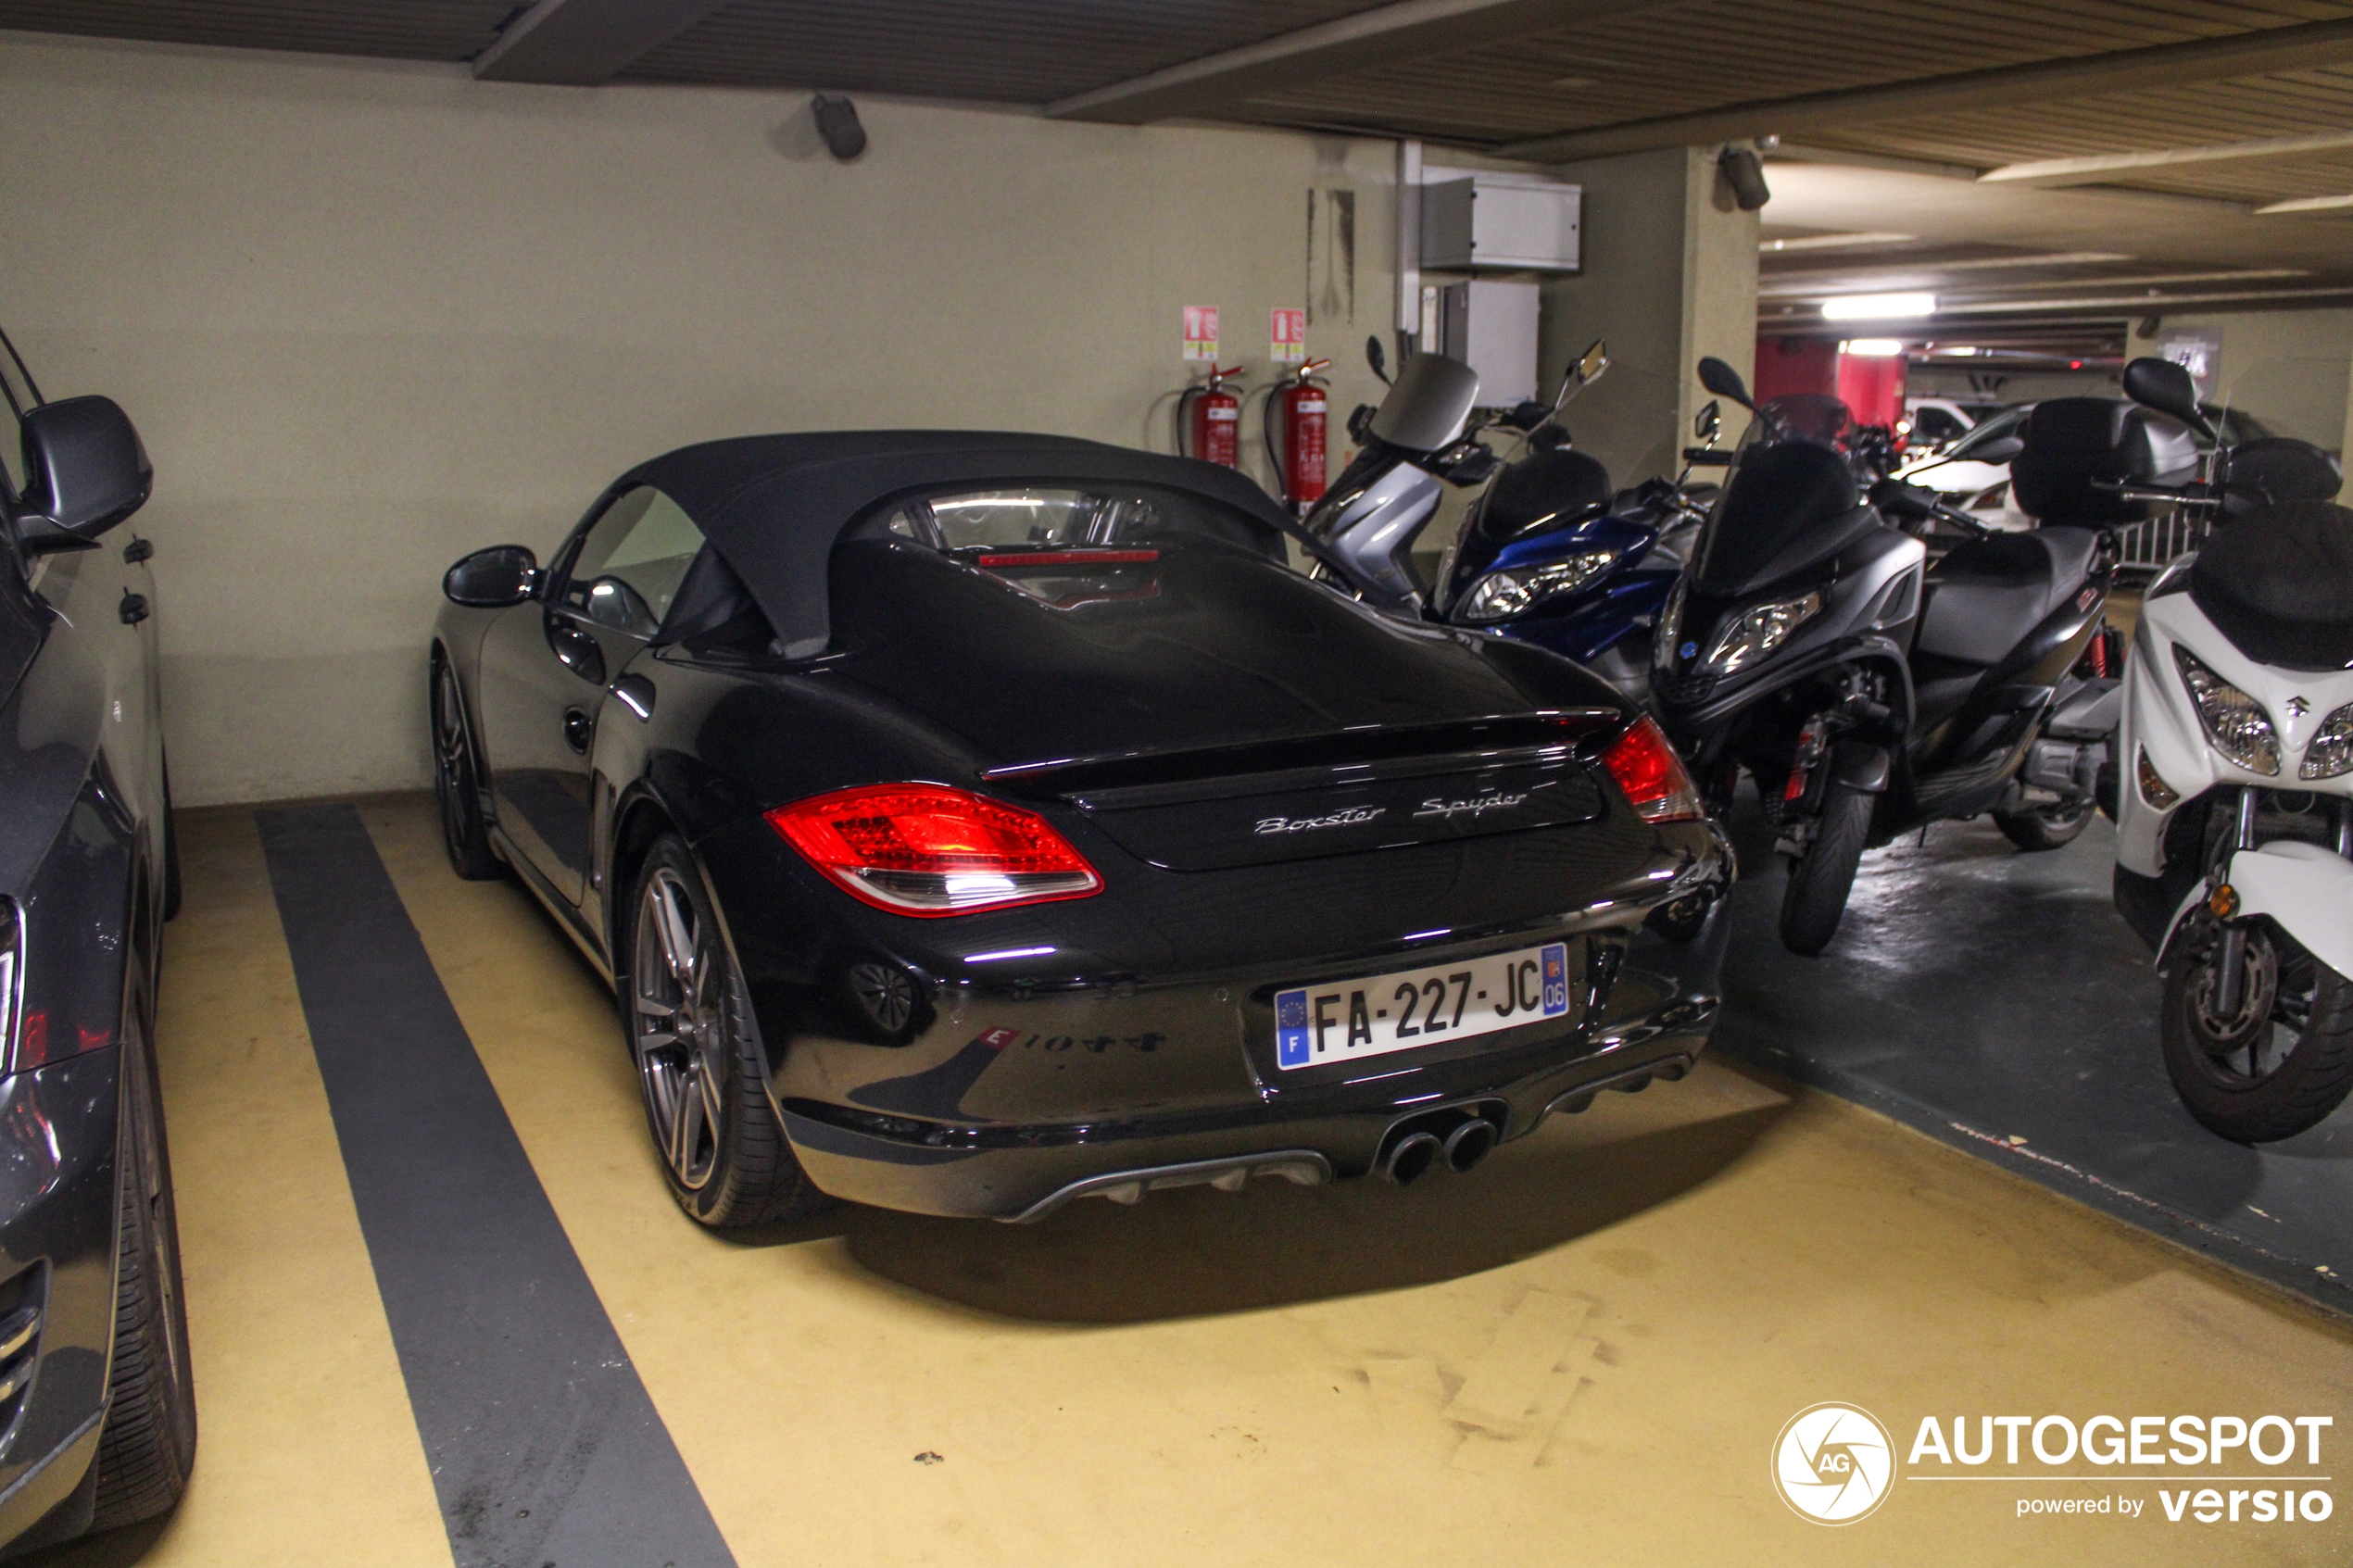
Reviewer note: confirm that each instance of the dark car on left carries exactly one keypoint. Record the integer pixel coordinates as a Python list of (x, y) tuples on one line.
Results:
[(98, 1408)]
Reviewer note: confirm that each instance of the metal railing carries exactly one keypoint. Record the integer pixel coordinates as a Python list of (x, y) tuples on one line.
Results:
[(2153, 546)]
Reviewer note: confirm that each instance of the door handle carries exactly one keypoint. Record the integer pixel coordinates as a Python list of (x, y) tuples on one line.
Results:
[(637, 694), (578, 727)]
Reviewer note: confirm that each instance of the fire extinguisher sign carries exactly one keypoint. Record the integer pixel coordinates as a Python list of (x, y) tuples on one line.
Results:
[(1286, 336), (1201, 332)]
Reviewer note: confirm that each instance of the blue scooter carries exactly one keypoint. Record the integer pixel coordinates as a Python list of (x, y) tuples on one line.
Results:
[(1551, 555)]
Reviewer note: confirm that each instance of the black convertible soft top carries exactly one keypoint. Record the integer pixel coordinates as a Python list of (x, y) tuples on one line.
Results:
[(774, 506)]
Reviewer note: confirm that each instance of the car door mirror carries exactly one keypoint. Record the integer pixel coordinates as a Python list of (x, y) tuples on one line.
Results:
[(2001, 450), (2167, 387), (1724, 380), (85, 472), (493, 579)]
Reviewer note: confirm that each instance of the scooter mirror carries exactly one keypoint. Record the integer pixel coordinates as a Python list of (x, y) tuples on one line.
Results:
[(1378, 358), (1724, 380), (1590, 365), (1708, 424), (2167, 387)]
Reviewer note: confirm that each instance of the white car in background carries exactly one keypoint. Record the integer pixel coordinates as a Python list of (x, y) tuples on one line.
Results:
[(1936, 422)]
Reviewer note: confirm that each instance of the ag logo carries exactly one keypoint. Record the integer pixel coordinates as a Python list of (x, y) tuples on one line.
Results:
[(1833, 1463)]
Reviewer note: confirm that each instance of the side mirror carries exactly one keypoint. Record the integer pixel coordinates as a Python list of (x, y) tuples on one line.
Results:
[(1378, 358), (1724, 380), (2168, 388), (1708, 424), (1592, 363), (85, 472), (2001, 450), (492, 579)]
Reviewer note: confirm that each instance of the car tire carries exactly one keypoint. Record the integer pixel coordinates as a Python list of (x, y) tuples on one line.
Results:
[(456, 780), (148, 1445), (688, 1021), (2296, 1089), (2045, 827), (1815, 899)]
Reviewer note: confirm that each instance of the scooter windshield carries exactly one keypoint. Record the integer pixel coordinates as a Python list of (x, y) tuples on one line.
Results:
[(1790, 480)]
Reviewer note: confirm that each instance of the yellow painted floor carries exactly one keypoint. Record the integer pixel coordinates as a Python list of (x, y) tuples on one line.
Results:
[(1580, 1354)]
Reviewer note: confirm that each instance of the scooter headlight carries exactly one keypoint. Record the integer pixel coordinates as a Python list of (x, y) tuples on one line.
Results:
[(1499, 596), (1757, 631), (2331, 751), (2236, 724)]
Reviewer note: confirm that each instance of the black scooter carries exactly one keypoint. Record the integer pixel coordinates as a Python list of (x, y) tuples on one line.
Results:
[(1812, 644)]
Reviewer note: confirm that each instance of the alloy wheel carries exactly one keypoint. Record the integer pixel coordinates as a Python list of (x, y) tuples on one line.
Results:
[(680, 1028), (2244, 1047), (452, 773)]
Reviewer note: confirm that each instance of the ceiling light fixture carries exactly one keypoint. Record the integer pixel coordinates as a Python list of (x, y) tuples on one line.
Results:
[(1872, 347), (2307, 204), (1831, 241), (1878, 306)]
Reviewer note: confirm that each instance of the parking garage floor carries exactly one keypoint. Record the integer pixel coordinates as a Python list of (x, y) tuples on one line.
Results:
[(442, 1309), (1998, 1002)]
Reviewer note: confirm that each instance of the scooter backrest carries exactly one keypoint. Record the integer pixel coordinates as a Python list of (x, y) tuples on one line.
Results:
[(2277, 470), (2278, 582), (2070, 443), (1426, 404)]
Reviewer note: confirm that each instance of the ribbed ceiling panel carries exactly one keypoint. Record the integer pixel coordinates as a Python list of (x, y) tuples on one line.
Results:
[(1016, 51), (408, 29)]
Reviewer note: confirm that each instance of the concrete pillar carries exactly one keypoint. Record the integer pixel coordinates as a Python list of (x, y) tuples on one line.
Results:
[(1669, 274)]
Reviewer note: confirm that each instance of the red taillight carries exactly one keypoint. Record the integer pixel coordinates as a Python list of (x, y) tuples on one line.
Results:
[(1646, 768), (925, 849)]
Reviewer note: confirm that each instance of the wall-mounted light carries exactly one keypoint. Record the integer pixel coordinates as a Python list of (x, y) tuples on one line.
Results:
[(1872, 347), (838, 123), (1878, 306), (1744, 172)]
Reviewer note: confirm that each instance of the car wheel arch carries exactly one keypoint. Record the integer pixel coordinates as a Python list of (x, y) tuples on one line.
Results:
[(640, 819)]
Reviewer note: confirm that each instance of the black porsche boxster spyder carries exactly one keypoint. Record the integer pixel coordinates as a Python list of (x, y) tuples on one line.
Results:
[(971, 823)]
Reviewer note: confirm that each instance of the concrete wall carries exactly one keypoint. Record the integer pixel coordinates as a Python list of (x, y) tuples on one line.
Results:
[(1670, 275), (370, 315), (2287, 368)]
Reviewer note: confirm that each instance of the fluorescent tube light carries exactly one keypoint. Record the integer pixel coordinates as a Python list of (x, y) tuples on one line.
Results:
[(1878, 306), (1873, 348)]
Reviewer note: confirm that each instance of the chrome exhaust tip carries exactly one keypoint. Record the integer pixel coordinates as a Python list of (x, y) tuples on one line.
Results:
[(1469, 1144), (1411, 1156)]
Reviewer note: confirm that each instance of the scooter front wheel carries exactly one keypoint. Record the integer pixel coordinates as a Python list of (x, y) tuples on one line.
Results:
[(2045, 827), (2280, 1062), (1820, 880)]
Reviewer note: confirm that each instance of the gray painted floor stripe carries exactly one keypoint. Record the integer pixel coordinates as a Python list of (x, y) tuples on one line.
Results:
[(542, 1444)]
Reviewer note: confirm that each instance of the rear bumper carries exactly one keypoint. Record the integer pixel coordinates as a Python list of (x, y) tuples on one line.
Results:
[(1653, 1020)]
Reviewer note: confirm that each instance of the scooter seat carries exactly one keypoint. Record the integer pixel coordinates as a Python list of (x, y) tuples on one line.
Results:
[(1987, 595)]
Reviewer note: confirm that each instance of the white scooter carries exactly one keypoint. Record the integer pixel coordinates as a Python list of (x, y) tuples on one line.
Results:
[(2235, 778)]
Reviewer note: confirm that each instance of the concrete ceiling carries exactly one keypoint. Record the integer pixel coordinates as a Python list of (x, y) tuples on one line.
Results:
[(2146, 134)]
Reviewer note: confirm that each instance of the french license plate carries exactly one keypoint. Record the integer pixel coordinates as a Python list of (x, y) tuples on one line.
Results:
[(1346, 1019)]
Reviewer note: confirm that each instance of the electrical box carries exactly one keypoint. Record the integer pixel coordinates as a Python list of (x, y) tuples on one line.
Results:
[(1491, 328), (1500, 223)]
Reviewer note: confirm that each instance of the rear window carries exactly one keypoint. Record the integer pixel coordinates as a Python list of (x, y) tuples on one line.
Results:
[(1049, 517)]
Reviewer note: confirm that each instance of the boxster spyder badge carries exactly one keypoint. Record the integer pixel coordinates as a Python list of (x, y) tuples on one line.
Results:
[(1348, 818), (850, 758)]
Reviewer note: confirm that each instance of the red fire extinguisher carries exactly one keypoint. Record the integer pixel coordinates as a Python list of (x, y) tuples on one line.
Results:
[(1296, 416), (1211, 417)]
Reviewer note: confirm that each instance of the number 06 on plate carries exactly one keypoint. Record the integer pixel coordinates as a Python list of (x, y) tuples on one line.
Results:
[(1318, 1024)]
